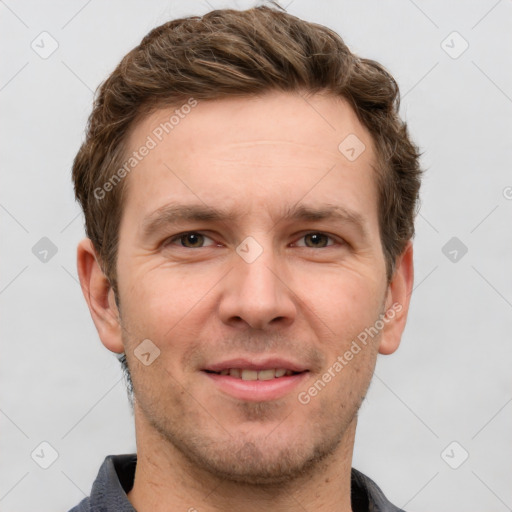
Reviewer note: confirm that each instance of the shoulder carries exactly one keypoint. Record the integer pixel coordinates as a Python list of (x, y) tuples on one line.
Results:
[(114, 480), (83, 506)]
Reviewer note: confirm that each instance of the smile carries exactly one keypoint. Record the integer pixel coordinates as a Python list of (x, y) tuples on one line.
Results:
[(246, 374)]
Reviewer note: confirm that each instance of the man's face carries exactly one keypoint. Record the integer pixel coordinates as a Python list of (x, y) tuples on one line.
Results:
[(270, 286)]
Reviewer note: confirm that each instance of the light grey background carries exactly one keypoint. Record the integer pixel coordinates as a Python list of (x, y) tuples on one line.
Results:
[(450, 379)]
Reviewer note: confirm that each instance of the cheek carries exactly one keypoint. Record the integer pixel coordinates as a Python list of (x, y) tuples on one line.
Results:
[(346, 300), (156, 299)]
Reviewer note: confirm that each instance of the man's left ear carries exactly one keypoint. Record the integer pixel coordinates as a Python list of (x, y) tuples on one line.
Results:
[(397, 302)]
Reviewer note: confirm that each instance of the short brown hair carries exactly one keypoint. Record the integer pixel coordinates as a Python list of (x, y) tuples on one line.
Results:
[(228, 53)]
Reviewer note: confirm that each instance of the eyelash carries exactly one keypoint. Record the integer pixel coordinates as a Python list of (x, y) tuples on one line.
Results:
[(170, 241)]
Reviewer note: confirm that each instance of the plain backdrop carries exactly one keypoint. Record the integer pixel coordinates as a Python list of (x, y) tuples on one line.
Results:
[(435, 429)]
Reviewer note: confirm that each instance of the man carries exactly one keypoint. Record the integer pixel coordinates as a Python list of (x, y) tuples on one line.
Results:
[(249, 194)]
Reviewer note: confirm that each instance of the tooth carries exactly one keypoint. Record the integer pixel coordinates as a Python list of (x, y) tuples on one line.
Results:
[(234, 372), (280, 372), (288, 373), (249, 375), (225, 372), (266, 374)]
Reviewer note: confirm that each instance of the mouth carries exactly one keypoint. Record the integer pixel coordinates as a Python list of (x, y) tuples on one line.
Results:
[(252, 381), (247, 374)]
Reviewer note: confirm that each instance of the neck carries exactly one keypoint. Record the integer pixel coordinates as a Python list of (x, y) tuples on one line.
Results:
[(166, 480)]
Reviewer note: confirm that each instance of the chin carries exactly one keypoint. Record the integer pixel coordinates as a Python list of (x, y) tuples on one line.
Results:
[(252, 467), (262, 459)]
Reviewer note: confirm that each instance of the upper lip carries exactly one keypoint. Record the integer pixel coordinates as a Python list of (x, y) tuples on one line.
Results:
[(257, 364)]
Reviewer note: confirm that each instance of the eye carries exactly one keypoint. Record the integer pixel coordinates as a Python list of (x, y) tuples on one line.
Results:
[(196, 240), (190, 240), (315, 240)]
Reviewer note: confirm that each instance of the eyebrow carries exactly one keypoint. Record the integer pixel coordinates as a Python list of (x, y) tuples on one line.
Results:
[(174, 213)]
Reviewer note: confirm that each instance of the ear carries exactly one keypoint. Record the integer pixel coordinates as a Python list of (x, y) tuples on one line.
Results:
[(99, 296), (397, 302)]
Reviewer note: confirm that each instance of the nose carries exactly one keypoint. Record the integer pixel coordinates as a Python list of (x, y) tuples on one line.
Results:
[(255, 294)]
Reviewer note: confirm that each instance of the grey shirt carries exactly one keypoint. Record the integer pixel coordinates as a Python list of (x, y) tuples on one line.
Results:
[(116, 475)]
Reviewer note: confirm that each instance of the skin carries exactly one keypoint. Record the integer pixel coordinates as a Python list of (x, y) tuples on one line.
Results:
[(198, 447)]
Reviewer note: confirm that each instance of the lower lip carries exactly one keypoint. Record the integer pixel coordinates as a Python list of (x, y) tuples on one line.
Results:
[(256, 390)]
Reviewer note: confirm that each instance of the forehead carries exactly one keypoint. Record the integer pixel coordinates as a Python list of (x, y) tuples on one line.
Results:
[(253, 152)]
